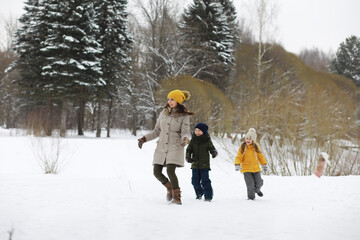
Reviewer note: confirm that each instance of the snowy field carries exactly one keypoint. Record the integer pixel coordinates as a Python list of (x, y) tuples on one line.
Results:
[(106, 191)]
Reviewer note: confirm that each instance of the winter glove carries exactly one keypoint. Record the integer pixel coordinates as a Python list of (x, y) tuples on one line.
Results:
[(192, 160), (141, 141), (265, 167), (184, 142), (237, 167), (213, 153)]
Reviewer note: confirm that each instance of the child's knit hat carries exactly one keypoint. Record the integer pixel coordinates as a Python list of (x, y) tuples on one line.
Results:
[(203, 127), (251, 134), (179, 96)]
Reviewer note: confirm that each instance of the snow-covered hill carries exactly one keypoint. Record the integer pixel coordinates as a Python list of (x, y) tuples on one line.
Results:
[(106, 191)]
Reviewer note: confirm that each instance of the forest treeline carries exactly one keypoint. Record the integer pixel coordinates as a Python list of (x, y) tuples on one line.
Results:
[(94, 65)]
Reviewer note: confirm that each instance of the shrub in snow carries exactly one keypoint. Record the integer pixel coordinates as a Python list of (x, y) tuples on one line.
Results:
[(50, 154), (289, 157)]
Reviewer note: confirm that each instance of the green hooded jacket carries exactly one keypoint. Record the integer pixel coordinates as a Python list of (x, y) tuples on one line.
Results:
[(198, 149)]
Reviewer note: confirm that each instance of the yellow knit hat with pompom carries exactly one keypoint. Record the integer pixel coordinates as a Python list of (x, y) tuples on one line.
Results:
[(179, 96)]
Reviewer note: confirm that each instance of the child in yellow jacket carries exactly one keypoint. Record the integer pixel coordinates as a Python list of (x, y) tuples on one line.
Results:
[(247, 160)]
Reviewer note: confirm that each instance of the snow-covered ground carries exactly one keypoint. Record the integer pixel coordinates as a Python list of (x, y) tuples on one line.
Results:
[(106, 191)]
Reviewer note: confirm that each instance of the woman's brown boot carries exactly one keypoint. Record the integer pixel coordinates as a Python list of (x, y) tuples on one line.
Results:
[(169, 195), (177, 196)]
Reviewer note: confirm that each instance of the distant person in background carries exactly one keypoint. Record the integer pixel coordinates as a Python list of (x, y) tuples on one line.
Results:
[(247, 160), (197, 153), (173, 129)]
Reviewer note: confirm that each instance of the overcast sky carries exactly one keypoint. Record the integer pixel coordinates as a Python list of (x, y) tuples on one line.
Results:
[(301, 23)]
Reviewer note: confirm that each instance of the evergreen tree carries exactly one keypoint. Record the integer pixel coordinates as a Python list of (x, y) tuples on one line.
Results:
[(230, 12), (70, 49), (208, 39), (71, 66), (346, 60), (29, 66), (115, 42), (115, 56), (27, 46)]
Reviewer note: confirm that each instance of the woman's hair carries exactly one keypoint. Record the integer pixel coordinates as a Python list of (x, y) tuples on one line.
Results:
[(181, 109), (256, 147)]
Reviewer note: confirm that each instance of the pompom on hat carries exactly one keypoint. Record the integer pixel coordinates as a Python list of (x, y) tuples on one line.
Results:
[(179, 96), (203, 127), (251, 134)]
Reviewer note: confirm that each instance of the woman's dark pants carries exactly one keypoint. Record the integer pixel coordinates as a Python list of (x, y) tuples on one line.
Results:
[(170, 170)]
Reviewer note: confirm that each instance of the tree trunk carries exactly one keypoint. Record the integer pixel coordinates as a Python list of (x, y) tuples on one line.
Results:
[(98, 123), (134, 122), (81, 115), (8, 117), (259, 67), (63, 118), (153, 123), (109, 118), (93, 120), (48, 121), (134, 115)]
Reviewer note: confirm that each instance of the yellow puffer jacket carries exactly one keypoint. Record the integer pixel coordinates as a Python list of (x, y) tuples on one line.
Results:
[(250, 159)]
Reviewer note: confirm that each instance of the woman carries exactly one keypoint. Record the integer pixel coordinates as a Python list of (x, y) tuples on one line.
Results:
[(173, 129)]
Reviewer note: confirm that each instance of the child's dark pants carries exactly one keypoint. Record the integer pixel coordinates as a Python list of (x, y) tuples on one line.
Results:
[(202, 183), (253, 183)]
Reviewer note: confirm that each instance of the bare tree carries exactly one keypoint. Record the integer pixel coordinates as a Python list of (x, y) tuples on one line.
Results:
[(11, 25), (7, 90), (157, 44), (315, 58), (263, 14), (160, 36), (245, 33)]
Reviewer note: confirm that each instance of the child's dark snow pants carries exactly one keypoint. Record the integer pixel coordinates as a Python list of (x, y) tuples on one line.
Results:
[(253, 183), (202, 183)]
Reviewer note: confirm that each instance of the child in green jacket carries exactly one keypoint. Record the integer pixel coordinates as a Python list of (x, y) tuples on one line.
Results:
[(197, 153)]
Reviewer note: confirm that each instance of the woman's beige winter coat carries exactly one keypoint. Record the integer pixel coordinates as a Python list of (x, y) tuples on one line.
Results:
[(171, 128)]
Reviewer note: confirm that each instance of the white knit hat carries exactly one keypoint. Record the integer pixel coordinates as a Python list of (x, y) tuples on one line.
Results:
[(251, 134)]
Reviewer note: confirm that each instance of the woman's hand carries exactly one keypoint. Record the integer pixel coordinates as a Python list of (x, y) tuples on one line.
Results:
[(141, 141), (184, 142)]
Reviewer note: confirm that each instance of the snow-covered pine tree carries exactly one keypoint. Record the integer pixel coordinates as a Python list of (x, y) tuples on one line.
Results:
[(208, 40), (27, 46), (29, 65), (115, 57), (346, 60), (233, 25), (71, 66)]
